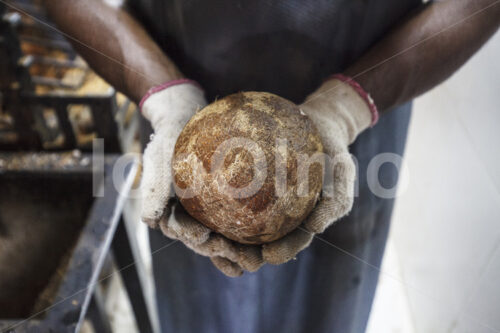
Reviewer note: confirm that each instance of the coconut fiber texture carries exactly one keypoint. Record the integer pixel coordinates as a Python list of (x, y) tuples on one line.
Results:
[(243, 167)]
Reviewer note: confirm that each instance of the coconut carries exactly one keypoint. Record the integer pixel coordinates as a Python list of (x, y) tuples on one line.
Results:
[(249, 166)]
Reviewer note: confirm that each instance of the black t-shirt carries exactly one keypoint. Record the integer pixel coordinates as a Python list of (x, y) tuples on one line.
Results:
[(283, 47)]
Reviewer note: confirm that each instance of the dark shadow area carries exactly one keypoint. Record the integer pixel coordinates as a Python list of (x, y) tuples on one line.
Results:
[(41, 216)]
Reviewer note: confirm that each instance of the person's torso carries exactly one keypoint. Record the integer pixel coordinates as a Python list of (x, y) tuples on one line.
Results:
[(284, 47)]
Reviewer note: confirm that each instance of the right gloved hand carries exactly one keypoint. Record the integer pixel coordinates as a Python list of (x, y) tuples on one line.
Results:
[(169, 107), (230, 257)]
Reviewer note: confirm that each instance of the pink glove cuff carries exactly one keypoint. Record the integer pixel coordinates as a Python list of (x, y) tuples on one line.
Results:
[(165, 86), (356, 86)]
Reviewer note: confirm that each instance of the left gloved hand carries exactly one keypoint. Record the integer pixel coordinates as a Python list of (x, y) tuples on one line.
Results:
[(341, 110), (168, 107)]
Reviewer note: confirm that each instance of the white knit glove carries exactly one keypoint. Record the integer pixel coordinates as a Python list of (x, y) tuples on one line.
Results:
[(169, 107), (230, 257), (340, 110)]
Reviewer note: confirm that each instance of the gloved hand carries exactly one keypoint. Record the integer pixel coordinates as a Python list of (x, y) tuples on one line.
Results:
[(169, 107), (341, 110), (228, 256)]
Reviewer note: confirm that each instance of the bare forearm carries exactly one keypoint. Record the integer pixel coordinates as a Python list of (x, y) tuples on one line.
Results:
[(425, 50), (114, 45)]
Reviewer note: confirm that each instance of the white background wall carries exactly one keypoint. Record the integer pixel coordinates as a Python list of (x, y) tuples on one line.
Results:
[(441, 272)]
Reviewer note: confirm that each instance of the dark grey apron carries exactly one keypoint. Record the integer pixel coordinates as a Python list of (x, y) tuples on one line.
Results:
[(287, 48)]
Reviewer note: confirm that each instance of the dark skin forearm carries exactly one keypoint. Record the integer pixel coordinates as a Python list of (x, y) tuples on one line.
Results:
[(113, 44), (425, 49), (419, 54)]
